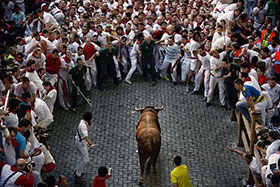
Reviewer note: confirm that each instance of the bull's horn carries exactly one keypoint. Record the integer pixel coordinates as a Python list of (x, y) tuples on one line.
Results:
[(138, 109), (160, 108)]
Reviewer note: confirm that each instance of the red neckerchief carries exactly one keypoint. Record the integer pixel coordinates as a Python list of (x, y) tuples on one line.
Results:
[(103, 11), (249, 47), (121, 34), (134, 24), (10, 111), (247, 79), (14, 142), (20, 131), (67, 60), (99, 34), (143, 29), (138, 42), (127, 32), (52, 88), (249, 162)]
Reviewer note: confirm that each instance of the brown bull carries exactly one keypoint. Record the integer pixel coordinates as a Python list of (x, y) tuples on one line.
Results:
[(148, 138)]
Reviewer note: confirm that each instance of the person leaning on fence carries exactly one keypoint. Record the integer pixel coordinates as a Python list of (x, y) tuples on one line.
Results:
[(251, 161), (254, 100), (271, 149)]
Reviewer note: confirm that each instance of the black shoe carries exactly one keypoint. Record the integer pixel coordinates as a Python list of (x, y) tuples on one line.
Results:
[(195, 92), (207, 104), (100, 88), (175, 83), (154, 83)]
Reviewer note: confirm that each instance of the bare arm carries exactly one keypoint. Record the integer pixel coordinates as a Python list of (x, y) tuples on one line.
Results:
[(175, 185), (235, 151)]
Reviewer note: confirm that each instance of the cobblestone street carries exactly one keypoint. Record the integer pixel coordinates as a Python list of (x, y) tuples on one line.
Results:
[(197, 133)]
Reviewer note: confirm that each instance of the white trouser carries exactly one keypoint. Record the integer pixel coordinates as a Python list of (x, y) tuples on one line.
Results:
[(185, 68), (213, 82), (268, 115), (91, 74), (264, 168), (10, 153), (51, 77), (61, 97), (198, 77), (261, 106), (37, 177), (45, 123), (124, 64), (39, 161), (165, 65), (133, 67), (82, 150), (117, 67)]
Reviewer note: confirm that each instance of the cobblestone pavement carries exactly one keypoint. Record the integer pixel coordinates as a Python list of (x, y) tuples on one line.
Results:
[(197, 133)]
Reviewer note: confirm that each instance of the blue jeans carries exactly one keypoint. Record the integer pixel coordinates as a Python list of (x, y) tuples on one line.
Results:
[(243, 106)]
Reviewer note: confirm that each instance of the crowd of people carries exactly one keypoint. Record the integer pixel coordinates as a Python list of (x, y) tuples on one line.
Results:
[(56, 49)]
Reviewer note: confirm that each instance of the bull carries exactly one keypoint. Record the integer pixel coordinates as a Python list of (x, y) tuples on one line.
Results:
[(148, 138)]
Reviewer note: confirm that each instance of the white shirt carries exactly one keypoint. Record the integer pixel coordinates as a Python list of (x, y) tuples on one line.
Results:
[(49, 19), (42, 110), (254, 74), (205, 60), (103, 38), (33, 77), (219, 43), (38, 61), (51, 100), (216, 36), (82, 131), (194, 45), (272, 148), (254, 166), (216, 62), (273, 49), (273, 92), (273, 160)]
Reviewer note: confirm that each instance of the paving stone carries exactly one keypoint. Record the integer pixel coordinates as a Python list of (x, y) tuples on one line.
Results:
[(197, 133)]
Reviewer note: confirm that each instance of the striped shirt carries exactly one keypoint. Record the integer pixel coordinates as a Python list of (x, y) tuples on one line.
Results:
[(172, 52)]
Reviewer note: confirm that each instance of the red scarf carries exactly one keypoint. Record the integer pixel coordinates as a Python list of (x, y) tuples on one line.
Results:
[(52, 88), (247, 79), (67, 60), (127, 32)]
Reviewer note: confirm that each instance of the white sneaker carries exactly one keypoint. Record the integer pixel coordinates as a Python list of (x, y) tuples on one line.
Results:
[(68, 105), (187, 89), (127, 81)]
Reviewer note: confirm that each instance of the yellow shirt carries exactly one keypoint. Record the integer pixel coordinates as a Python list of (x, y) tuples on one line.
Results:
[(180, 175)]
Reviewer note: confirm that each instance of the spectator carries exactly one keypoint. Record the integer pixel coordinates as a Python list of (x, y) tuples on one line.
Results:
[(13, 175), (254, 99)]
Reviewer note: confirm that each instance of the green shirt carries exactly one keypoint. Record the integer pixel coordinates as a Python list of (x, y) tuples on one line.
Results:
[(234, 69), (271, 8), (147, 50), (106, 56), (78, 75)]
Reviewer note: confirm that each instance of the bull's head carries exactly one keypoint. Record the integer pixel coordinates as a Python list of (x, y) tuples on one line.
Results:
[(147, 107)]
